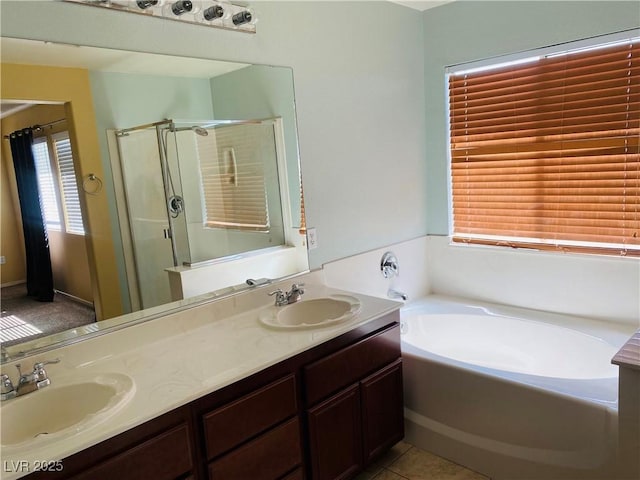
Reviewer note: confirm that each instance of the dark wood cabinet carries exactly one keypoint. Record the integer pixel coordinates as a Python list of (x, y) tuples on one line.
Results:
[(325, 413), (255, 436), (351, 364), (351, 428)]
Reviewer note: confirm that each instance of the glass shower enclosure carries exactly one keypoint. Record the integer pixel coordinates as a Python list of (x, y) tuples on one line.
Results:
[(194, 192)]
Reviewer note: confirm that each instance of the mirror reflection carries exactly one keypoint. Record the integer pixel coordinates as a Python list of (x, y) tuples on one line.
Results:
[(196, 192), (183, 169)]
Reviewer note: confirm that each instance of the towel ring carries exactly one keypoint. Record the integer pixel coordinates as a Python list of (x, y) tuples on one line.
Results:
[(92, 184)]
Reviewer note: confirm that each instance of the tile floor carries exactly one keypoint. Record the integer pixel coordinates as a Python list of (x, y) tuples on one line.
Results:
[(406, 462)]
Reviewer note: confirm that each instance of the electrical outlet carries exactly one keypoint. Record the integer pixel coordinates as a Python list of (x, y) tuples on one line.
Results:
[(2, 260), (312, 238)]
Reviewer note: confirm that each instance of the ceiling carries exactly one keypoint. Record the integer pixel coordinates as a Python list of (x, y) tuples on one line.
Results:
[(9, 108), (35, 52)]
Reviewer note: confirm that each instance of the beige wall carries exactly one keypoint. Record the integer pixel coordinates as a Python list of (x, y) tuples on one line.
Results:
[(71, 87), (11, 238), (69, 264)]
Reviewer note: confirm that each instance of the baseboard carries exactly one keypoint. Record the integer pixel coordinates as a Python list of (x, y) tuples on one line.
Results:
[(11, 284), (74, 298)]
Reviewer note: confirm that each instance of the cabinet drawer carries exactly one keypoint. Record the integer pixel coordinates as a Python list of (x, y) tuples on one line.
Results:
[(164, 457), (268, 457), (238, 421), (350, 364)]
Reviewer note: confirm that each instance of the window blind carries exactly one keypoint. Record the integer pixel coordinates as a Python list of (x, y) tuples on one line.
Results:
[(68, 184), (46, 183), (546, 154), (233, 178)]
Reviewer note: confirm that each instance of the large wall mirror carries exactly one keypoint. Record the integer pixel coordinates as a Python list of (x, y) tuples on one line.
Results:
[(175, 179)]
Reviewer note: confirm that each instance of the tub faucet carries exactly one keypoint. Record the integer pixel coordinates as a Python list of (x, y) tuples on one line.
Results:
[(397, 294), (289, 297), (256, 282)]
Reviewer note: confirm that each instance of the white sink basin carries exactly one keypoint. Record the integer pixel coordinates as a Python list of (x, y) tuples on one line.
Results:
[(63, 409), (312, 313)]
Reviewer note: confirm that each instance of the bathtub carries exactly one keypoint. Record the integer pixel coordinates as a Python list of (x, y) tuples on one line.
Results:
[(511, 393)]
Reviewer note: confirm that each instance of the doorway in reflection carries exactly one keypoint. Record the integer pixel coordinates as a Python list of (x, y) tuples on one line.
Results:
[(23, 316)]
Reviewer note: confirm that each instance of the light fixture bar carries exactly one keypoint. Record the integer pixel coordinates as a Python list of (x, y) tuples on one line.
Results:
[(210, 13)]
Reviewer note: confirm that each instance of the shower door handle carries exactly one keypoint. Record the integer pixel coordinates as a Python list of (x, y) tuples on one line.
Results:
[(232, 166)]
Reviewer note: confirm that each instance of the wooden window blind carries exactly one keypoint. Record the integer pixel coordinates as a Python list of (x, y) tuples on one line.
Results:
[(233, 177), (547, 154)]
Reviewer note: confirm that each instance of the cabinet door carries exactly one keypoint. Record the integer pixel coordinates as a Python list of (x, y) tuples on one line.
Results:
[(382, 410), (335, 436)]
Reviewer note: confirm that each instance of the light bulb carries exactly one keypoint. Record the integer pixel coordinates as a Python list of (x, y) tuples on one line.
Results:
[(144, 4), (181, 6), (214, 12), (243, 17)]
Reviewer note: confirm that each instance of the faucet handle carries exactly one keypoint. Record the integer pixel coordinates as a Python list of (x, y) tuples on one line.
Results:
[(7, 390), (40, 365), (281, 298), (6, 385), (296, 293), (39, 373), (278, 293)]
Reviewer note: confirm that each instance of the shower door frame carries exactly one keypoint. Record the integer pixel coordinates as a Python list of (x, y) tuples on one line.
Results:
[(131, 289)]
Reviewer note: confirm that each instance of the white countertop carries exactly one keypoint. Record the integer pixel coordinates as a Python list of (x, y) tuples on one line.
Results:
[(176, 359)]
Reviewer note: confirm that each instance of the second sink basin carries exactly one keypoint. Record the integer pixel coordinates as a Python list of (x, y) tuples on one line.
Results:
[(63, 409), (312, 313)]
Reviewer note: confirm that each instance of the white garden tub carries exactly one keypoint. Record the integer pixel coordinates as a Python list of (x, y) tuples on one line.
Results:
[(511, 393)]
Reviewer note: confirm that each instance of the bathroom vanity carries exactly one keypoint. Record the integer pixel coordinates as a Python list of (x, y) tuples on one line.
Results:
[(326, 402)]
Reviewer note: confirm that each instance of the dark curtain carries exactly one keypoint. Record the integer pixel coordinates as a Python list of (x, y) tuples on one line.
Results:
[(39, 274)]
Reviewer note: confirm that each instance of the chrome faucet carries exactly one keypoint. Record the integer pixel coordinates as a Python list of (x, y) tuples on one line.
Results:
[(397, 294), (289, 297), (30, 382)]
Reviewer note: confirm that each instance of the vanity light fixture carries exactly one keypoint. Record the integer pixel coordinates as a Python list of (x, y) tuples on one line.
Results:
[(212, 13)]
